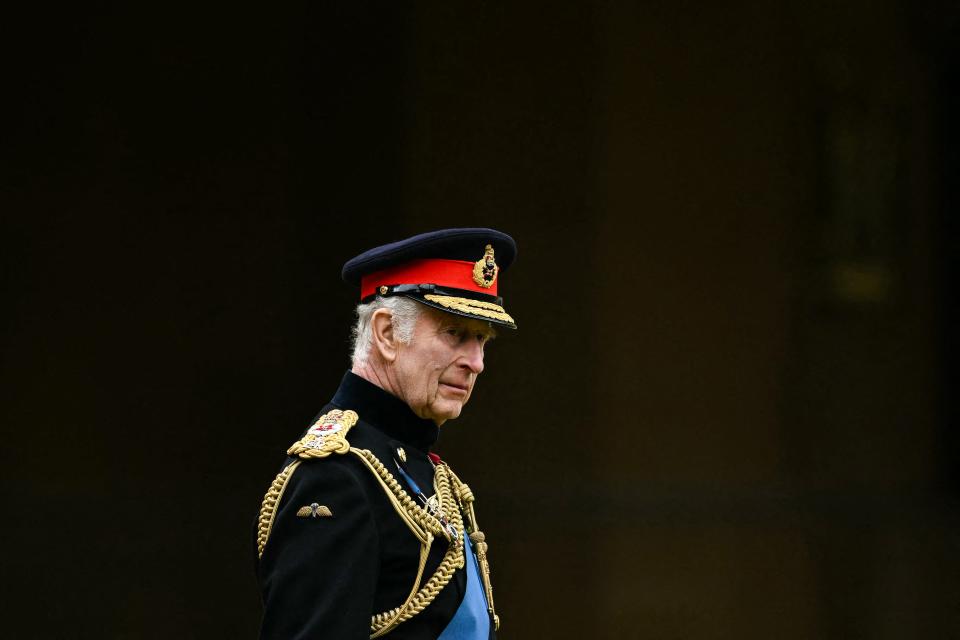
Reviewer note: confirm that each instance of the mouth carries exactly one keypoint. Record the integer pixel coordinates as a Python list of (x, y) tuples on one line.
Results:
[(456, 388)]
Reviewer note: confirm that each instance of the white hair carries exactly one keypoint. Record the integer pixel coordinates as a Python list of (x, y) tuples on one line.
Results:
[(404, 314)]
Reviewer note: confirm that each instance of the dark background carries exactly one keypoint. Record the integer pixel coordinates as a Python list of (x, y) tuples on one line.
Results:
[(729, 410)]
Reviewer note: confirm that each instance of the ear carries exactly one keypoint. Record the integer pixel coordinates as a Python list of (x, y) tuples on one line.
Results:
[(384, 337)]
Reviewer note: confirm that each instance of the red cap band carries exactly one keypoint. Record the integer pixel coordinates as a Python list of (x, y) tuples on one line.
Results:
[(445, 273)]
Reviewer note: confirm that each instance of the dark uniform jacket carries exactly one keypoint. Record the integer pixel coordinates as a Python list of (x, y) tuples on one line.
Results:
[(324, 577)]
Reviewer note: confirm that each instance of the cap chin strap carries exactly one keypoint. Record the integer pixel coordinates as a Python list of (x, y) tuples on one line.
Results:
[(432, 289)]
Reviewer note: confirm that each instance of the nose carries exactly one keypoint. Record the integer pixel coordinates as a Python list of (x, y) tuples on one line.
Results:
[(472, 357)]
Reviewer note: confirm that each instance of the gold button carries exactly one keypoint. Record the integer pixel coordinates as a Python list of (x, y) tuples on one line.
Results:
[(383, 290), (402, 454)]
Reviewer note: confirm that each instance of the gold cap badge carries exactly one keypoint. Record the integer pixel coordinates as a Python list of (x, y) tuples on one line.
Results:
[(485, 269)]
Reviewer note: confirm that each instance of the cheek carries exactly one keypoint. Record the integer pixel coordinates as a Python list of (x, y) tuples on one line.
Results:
[(429, 373), (435, 372), (432, 372)]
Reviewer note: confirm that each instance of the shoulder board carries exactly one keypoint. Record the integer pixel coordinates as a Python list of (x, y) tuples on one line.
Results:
[(327, 435)]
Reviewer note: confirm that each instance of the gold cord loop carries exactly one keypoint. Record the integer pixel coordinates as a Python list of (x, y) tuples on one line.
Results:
[(452, 560), (268, 508)]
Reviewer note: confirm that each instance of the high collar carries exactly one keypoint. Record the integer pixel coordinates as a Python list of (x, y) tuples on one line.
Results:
[(385, 411)]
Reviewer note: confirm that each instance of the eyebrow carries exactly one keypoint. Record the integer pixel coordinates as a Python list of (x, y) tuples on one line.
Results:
[(488, 331)]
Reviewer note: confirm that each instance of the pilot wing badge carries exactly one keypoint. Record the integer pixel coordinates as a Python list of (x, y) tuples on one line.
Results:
[(314, 510), (327, 435)]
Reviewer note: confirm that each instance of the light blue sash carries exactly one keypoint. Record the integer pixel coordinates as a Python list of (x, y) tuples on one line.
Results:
[(472, 620)]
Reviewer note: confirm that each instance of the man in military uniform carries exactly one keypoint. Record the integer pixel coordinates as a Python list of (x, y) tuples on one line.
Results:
[(365, 532)]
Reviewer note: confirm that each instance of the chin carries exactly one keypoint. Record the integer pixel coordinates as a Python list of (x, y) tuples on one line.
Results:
[(448, 413)]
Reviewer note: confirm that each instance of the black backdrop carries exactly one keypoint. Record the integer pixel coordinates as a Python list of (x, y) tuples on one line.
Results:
[(182, 187)]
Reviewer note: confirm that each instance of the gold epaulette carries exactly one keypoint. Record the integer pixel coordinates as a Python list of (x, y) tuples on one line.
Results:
[(327, 435)]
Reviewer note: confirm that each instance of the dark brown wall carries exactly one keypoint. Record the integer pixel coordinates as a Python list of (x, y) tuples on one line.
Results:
[(727, 411)]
